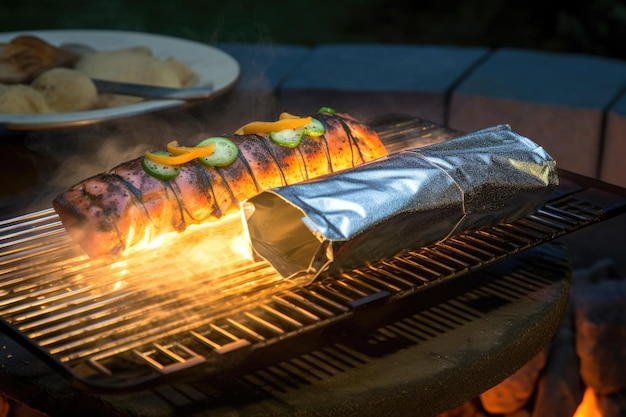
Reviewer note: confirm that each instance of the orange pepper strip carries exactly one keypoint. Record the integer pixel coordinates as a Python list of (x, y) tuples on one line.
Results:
[(175, 149), (178, 156), (285, 115), (277, 126)]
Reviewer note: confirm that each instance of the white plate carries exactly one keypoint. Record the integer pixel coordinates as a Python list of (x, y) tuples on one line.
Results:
[(211, 65)]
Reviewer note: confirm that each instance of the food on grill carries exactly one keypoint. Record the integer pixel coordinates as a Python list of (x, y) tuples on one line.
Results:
[(158, 170), (66, 90), (402, 202), (110, 212), (292, 137), (225, 151), (177, 155), (213, 152)]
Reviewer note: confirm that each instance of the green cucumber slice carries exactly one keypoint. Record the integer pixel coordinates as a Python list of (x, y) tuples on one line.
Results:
[(160, 171), (224, 154), (328, 110), (289, 138), (314, 128)]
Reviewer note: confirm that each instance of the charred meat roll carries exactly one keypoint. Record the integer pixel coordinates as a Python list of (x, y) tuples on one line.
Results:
[(111, 211)]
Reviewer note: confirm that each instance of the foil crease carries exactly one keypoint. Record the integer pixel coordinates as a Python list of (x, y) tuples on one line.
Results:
[(398, 203)]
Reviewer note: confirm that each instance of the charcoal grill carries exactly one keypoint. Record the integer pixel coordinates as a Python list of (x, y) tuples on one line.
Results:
[(106, 329)]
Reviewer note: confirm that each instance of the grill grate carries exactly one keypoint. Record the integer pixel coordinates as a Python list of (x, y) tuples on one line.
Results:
[(118, 324), (69, 307)]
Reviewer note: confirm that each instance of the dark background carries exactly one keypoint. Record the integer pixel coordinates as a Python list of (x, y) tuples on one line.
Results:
[(596, 27)]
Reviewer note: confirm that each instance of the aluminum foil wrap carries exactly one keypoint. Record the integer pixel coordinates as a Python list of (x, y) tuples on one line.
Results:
[(400, 202)]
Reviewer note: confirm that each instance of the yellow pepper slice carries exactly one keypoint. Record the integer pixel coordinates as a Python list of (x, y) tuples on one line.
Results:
[(180, 154), (268, 127), (175, 149), (285, 115)]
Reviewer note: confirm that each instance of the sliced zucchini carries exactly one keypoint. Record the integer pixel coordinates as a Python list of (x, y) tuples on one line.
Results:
[(160, 171), (328, 110), (314, 128), (224, 153), (289, 138)]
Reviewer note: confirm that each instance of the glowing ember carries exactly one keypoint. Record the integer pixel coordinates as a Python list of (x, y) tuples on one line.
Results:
[(209, 263), (206, 247), (589, 406)]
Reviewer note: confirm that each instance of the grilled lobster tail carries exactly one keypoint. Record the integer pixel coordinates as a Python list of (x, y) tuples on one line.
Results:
[(110, 212)]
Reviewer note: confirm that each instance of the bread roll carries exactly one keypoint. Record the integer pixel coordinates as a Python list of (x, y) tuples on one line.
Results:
[(21, 99), (66, 90), (130, 66)]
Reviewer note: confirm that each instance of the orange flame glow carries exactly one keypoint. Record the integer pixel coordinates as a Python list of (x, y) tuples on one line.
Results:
[(589, 405), (206, 271), (212, 249), (218, 242)]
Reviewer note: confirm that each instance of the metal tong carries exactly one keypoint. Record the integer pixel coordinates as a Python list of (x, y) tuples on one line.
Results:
[(152, 91), (141, 90)]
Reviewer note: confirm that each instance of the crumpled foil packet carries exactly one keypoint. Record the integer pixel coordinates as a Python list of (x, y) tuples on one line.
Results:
[(400, 202)]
